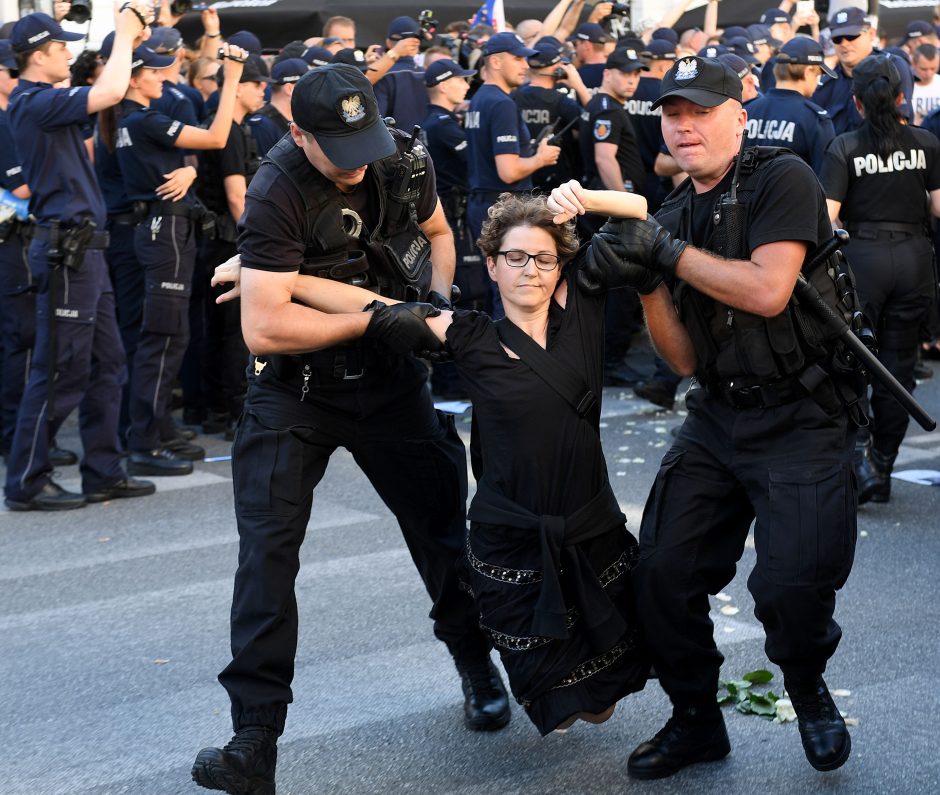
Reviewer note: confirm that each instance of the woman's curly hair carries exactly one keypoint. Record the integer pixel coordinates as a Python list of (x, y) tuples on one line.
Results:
[(512, 210)]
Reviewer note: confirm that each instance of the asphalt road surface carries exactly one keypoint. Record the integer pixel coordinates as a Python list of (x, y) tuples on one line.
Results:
[(114, 624)]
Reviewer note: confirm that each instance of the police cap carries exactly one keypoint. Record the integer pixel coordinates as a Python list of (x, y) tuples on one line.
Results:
[(704, 81), (145, 58), (289, 70), (336, 105), (444, 69), (804, 50), (849, 21), (352, 57), (659, 50), (626, 59), (34, 30), (7, 61), (246, 40), (317, 56), (507, 42)]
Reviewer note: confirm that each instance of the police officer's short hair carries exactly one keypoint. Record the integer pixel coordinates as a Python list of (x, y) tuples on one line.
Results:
[(22, 58), (328, 25), (790, 71)]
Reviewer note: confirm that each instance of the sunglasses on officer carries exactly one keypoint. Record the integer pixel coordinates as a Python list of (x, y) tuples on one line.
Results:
[(840, 39)]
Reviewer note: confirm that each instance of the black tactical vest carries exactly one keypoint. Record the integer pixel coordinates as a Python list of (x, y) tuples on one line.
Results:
[(396, 258), (737, 349)]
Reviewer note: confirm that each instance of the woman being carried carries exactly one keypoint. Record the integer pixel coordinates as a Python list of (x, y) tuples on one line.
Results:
[(548, 553)]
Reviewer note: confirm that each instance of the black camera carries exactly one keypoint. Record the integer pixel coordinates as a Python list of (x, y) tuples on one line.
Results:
[(427, 22), (620, 10), (558, 73), (80, 11), (180, 7)]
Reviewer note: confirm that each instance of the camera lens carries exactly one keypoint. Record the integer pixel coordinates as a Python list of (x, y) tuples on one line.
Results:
[(180, 7), (80, 11)]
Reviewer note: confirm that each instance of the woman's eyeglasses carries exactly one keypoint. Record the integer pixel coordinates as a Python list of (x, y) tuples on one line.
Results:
[(517, 258)]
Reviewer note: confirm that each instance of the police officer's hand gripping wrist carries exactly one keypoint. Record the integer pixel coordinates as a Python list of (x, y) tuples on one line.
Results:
[(607, 265), (401, 327), (648, 244)]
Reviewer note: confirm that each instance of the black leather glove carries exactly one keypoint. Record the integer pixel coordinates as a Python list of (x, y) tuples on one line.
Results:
[(437, 300), (401, 327), (648, 244), (607, 266)]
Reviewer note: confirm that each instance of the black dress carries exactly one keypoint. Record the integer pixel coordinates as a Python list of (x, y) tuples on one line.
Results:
[(548, 553)]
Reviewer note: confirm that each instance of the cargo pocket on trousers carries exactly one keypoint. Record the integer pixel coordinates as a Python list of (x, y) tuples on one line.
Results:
[(812, 526), (166, 314), (267, 469), (655, 502)]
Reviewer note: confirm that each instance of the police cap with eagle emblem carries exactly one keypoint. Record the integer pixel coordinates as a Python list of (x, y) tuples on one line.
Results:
[(704, 81), (336, 105)]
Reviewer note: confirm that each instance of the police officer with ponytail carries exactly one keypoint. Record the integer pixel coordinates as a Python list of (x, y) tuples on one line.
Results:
[(876, 179), (345, 198), (768, 438), (149, 146)]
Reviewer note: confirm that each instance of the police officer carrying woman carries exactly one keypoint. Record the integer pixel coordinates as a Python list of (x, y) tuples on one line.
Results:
[(877, 181), (149, 147)]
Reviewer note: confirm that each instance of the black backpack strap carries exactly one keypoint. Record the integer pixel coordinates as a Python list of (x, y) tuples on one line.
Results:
[(565, 382)]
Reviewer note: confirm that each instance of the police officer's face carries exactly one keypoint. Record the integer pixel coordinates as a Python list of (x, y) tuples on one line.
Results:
[(55, 61), (7, 82), (513, 68), (852, 50), (527, 287), (345, 32), (455, 89), (251, 95), (344, 179), (148, 82), (623, 84), (702, 140)]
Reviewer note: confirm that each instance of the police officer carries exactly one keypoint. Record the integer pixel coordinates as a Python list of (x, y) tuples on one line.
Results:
[(78, 348), (272, 122), (149, 146), (217, 343), (327, 202), (178, 101), (768, 434), (544, 108), (785, 116), (659, 55), (590, 49), (852, 36), (875, 180), (500, 153), (400, 93)]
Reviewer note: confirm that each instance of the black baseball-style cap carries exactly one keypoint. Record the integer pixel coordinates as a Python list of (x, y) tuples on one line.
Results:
[(290, 70), (336, 105), (626, 59), (872, 68), (804, 50), (704, 81), (351, 56), (507, 42), (251, 73), (660, 50), (444, 69), (7, 60), (849, 21), (145, 58), (548, 52), (34, 30)]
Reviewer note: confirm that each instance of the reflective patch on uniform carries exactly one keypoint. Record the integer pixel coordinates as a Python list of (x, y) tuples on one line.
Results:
[(602, 129), (461, 146)]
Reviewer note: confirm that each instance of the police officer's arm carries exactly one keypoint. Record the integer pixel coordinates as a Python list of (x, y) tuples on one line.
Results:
[(608, 169), (443, 253), (565, 11), (380, 67), (216, 136), (111, 85), (512, 168), (235, 188), (669, 335), (574, 80)]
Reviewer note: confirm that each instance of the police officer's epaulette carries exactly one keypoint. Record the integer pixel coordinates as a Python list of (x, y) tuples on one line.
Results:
[(816, 108), (177, 93)]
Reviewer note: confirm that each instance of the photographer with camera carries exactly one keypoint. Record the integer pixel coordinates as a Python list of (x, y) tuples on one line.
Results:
[(78, 359), (401, 93)]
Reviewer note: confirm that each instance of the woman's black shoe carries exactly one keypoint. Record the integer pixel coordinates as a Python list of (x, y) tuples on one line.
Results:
[(51, 497), (690, 736)]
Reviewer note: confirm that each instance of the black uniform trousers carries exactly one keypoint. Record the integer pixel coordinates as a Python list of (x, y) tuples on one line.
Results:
[(789, 468), (17, 332), (894, 277), (166, 249), (414, 459), (90, 372), (128, 279)]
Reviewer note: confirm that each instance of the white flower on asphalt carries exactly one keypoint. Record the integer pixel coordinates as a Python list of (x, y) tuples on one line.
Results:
[(841, 692), (721, 596), (785, 711), (728, 610)]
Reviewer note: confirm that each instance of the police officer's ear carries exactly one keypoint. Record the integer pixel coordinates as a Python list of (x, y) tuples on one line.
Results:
[(297, 134)]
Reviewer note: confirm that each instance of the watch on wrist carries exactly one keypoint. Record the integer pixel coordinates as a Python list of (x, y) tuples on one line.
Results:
[(213, 35), (392, 54)]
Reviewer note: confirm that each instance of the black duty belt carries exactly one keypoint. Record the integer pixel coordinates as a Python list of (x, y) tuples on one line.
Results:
[(874, 229), (759, 396), (347, 363), (161, 208), (98, 239), (124, 219)]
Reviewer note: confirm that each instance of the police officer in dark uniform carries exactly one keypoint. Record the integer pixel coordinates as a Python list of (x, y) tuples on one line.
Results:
[(785, 116), (501, 157), (149, 146), (331, 201), (77, 360), (851, 35), (544, 109), (175, 102), (272, 122), (659, 55), (768, 436), (875, 180), (400, 93)]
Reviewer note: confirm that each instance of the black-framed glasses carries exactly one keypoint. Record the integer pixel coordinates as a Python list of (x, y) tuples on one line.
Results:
[(840, 39), (517, 258)]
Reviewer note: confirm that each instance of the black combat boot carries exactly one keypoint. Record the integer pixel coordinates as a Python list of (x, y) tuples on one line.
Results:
[(884, 466), (485, 705), (870, 479), (691, 735), (826, 740), (244, 767)]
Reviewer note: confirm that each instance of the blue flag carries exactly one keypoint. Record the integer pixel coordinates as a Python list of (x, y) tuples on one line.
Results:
[(491, 13)]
